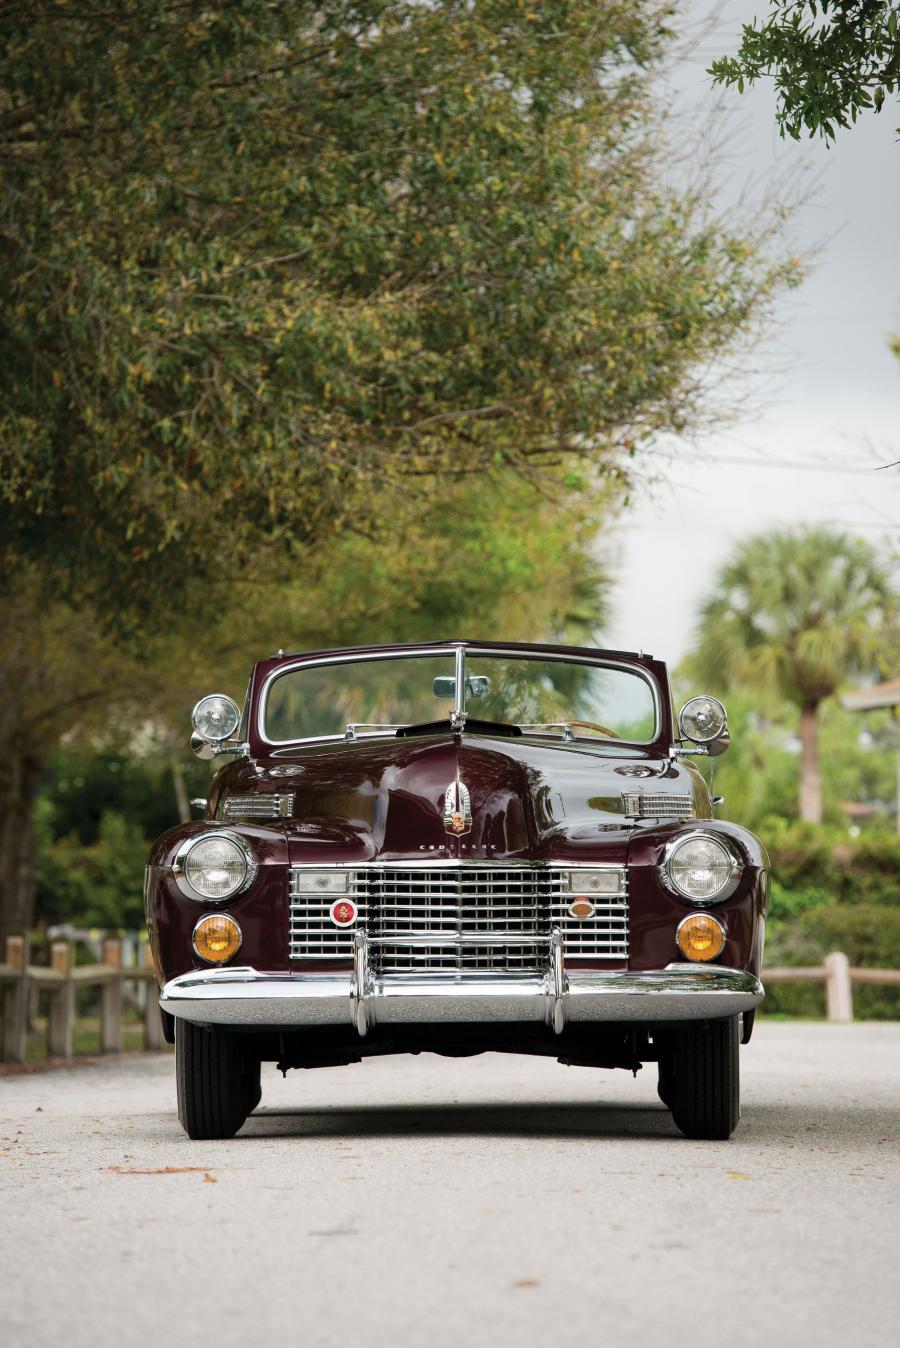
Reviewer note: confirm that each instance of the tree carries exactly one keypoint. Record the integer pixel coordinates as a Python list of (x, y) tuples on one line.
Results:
[(273, 275), (793, 615), (830, 60), (259, 257)]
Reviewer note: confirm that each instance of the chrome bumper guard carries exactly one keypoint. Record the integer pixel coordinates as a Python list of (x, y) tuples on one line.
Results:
[(248, 998)]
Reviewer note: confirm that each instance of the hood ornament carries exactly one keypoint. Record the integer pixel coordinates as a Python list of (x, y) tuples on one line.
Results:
[(457, 809)]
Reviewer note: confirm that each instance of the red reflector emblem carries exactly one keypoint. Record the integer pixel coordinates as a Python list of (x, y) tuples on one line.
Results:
[(344, 913), (582, 908)]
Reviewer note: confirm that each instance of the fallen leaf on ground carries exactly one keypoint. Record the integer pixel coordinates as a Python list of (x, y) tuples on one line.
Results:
[(737, 1174), (526, 1282), (164, 1170), (208, 1178)]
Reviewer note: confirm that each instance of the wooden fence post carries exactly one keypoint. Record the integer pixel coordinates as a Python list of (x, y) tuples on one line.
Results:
[(61, 1017), (838, 987), (15, 1001), (153, 1035), (111, 999)]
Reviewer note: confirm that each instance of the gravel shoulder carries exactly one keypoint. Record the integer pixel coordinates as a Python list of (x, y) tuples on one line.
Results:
[(493, 1201)]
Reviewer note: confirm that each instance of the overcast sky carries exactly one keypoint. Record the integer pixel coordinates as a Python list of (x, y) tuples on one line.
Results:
[(834, 407)]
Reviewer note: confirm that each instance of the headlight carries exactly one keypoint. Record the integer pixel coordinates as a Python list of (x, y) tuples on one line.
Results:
[(701, 867), (215, 717), (321, 882), (595, 882), (214, 866)]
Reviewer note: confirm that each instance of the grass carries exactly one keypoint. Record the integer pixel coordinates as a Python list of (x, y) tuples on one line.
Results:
[(85, 1040)]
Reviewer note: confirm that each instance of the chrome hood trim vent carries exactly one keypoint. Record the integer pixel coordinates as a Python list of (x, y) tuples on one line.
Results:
[(657, 805), (262, 806)]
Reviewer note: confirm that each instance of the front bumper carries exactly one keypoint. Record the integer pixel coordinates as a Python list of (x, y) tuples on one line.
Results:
[(247, 998)]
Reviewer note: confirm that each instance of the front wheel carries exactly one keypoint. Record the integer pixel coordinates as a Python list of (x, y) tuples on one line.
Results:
[(704, 1079), (217, 1085)]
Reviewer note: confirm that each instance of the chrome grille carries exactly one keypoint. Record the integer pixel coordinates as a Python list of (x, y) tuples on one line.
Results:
[(456, 919), (265, 805), (658, 805), (602, 936), (460, 903), (313, 935)]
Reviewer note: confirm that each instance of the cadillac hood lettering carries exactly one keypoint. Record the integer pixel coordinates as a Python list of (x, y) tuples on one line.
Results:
[(458, 847)]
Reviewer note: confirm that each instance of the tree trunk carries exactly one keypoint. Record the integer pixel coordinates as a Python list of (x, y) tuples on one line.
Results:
[(182, 804), (18, 784), (810, 778)]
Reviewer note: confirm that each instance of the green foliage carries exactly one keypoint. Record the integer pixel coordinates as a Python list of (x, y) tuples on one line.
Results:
[(264, 260), (794, 614), (830, 60), (98, 884), (496, 559), (833, 893)]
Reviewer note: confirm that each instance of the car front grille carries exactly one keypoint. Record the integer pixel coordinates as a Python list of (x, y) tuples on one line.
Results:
[(458, 919)]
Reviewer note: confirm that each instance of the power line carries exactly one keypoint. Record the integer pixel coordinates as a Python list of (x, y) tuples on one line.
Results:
[(793, 465)]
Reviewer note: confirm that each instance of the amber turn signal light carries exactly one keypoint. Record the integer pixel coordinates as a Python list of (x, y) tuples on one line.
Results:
[(700, 937), (217, 937)]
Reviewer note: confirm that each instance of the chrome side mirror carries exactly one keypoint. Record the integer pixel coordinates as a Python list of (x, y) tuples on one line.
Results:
[(719, 744), (704, 721), (202, 748)]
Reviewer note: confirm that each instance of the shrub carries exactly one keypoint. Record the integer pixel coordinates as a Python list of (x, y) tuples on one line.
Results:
[(831, 892)]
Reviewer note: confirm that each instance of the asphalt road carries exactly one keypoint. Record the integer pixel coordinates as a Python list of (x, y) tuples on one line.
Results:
[(431, 1202)]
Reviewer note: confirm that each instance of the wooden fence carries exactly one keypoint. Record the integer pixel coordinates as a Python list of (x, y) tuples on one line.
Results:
[(60, 981), (838, 975), (63, 977)]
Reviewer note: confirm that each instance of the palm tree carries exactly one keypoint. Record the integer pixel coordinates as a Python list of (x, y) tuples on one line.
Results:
[(795, 613)]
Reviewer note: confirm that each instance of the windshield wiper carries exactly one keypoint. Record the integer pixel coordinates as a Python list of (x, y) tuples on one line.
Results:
[(568, 728), (354, 726), (564, 726)]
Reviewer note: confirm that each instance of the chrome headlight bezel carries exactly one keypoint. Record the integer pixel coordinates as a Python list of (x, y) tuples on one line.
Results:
[(179, 865), (736, 866)]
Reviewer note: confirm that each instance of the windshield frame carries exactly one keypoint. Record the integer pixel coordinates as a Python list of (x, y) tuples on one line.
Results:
[(458, 715)]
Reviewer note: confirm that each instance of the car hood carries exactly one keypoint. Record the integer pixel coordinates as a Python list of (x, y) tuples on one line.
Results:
[(386, 799)]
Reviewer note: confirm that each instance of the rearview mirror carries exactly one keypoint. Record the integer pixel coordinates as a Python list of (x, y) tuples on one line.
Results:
[(477, 685)]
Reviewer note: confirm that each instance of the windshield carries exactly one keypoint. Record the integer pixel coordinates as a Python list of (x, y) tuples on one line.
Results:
[(539, 695), (595, 700)]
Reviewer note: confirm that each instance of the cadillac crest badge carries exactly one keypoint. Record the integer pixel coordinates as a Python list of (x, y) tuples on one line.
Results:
[(457, 809)]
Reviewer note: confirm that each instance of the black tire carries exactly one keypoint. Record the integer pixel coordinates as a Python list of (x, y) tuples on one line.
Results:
[(211, 1072), (252, 1068), (706, 1097), (666, 1085)]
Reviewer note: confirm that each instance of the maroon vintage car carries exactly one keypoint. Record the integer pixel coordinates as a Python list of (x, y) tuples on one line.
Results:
[(458, 847)]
